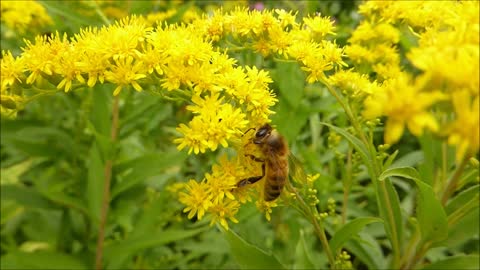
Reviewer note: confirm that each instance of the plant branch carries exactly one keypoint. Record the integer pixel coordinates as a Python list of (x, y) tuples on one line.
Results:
[(317, 226), (106, 189), (347, 184), (452, 184), (374, 170)]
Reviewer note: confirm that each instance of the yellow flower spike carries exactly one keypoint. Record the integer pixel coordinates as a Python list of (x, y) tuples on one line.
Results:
[(464, 131), (406, 107), (24, 16)]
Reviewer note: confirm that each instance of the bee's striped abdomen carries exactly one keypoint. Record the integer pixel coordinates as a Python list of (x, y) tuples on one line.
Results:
[(275, 179)]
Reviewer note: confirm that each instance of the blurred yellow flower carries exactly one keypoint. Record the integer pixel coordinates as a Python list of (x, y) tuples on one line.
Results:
[(404, 104), (23, 16), (464, 131)]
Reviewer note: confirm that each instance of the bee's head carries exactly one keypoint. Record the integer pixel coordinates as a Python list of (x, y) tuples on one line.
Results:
[(262, 134)]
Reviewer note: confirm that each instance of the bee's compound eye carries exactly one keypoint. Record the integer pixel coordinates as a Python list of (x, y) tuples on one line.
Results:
[(261, 133)]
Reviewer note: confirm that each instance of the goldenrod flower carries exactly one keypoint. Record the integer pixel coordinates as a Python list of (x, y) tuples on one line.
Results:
[(441, 52), (38, 58), (24, 15), (286, 18), (125, 72), (266, 207), (354, 84), (223, 210), (11, 69), (215, 126), (197, 200), (404, 104), (464, 131), (225, 99), (320, 26)]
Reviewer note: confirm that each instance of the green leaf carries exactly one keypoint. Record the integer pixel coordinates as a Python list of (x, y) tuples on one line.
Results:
[(67, 201), (180, 11), (25, 196), (357, 144), (366, 250), (389, 205), (117, 253), (410, 159), (430, 213), (290, 120), (349, 230), (148, 165), (64, 10), (462, 230), (249, 256), (303, 256), (100, 120), (405, 172), (462, 198), (457, 262), (95, 182), (291, 81), (41, 260), (390, 159)]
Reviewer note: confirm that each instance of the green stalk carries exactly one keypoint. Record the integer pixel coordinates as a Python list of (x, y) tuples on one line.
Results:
[(319, 230), (452, 184), (347, 184), (374, 170), (106, 190)]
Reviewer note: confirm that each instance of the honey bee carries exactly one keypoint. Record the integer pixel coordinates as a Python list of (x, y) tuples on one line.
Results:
[(274, 163)]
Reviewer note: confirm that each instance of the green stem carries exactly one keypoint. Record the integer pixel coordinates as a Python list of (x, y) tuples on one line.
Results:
[(455, 217), (411, 247), (374, 170), (391, 221), (106, 190), (420, 253), (100, 13), (452, 184), (319, 230), (347, 183)]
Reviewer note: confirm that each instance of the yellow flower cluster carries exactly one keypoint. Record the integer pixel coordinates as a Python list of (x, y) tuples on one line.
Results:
[(23, 16), (447, 56), (129, 54), (274, 33), (279, 34), (373, 49), (217, 195), (226, 99)]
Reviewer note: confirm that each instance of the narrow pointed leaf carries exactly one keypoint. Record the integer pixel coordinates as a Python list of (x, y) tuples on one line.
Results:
[(349, 230), (249, 256)]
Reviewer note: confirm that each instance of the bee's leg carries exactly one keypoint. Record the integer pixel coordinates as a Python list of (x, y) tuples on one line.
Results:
[(252, 180), (257, 159)]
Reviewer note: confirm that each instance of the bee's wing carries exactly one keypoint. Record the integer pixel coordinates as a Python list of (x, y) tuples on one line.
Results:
[(296, 171)]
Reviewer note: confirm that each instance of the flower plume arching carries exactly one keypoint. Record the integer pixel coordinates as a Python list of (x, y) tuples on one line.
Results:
[(226, 99)]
